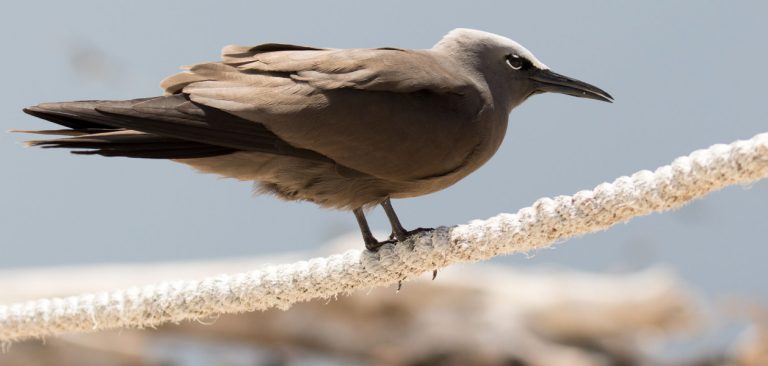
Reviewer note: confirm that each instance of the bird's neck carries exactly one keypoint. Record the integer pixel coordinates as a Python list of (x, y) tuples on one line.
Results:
[(495, 90), (495, 93)]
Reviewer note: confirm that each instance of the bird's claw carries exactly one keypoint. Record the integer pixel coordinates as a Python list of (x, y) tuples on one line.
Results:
[(407, 234)]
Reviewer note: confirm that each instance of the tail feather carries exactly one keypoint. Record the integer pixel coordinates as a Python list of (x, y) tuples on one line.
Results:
[(132, 144), (80, 115), (167, 127), (60, 132), (89, 133)]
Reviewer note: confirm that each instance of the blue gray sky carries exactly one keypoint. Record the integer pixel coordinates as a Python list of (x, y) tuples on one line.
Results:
[(685, 75)]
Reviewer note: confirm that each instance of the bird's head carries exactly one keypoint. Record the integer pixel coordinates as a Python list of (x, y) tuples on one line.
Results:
[(510, 68)]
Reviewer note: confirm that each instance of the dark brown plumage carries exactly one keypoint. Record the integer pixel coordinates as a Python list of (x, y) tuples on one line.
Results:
[(345, 129)]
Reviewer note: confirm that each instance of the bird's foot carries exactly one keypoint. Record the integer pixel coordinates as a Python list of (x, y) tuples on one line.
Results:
[(403, 235), (373, 245)]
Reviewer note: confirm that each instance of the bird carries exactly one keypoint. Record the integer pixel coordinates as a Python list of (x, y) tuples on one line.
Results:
[(346, 129)]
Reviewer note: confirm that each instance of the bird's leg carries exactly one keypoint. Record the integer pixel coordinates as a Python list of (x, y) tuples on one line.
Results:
[(398, 231), (370, 241)]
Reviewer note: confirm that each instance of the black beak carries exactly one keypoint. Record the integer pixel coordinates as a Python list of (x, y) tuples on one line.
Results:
[(548, 81)]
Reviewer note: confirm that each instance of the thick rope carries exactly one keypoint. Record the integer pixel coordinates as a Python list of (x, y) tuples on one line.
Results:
[(547, 221)]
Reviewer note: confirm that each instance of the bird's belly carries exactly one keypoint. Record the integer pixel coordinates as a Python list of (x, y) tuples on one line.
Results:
[(439, 182), (299, 179), (473, 160)]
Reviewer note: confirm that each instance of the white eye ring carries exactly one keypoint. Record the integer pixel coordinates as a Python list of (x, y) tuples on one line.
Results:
[(518, 62)]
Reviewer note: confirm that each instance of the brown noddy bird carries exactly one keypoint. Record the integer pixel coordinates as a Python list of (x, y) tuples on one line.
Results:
[(343, 128)]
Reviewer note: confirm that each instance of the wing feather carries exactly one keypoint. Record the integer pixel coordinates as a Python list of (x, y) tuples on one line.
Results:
[(170, 127), (350, 105)]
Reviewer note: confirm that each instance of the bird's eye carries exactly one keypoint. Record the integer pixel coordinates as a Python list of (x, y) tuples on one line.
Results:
[(516, 62)]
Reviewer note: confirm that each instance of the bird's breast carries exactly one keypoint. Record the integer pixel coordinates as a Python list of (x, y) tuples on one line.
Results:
[(488, 132)]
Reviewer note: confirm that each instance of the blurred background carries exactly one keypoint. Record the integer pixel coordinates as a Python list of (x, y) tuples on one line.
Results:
[(685, 75)]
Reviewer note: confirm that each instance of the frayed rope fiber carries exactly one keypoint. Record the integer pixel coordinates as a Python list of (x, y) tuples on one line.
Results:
[(548, 220)]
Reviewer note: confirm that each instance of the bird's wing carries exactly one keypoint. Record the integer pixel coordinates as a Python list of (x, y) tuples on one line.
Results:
[(168, 127), (380, 69), (396, 114)]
